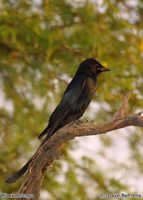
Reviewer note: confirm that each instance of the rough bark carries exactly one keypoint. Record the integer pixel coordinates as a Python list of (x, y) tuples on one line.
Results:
[(51, 150)]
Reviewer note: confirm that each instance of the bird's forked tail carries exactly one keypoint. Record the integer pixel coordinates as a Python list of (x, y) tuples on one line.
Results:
[(12, 178)]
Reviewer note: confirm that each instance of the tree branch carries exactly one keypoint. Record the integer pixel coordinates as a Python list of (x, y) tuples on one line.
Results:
[(121, 111), (51, 149)]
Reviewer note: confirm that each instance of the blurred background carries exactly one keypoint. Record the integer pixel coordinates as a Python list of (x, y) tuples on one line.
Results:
[(42, 43)]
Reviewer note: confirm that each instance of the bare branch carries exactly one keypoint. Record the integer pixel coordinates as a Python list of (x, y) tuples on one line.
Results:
[(121, 111), (51, 150)]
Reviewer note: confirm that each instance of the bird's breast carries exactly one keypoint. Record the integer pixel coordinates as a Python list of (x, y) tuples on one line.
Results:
[(91, 86), (85, 97)]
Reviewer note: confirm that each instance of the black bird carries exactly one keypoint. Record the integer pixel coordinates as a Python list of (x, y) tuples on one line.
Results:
[(73, 104), (76, 97)]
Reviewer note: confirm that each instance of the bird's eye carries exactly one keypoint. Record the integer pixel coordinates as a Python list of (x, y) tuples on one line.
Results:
[(98, 68)]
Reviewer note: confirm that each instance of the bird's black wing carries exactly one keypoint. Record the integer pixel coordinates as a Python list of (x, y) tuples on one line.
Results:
[(66, 104), (64, 109)]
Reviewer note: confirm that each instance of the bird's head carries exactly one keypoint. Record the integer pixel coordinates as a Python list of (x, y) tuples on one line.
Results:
[(91, 67)]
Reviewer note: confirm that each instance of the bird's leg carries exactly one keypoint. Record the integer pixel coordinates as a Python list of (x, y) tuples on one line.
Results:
[(77, 122)]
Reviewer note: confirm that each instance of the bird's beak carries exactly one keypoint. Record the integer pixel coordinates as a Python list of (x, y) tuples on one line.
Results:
[(104, 69)]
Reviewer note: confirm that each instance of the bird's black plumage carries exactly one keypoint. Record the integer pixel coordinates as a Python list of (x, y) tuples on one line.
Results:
[(73, 104), (76, 97)]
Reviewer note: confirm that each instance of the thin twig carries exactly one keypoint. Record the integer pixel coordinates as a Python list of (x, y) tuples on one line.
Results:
[(121, 111)]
